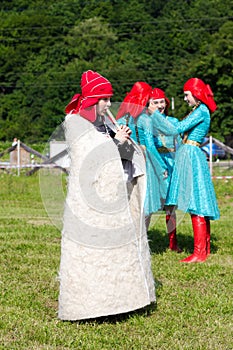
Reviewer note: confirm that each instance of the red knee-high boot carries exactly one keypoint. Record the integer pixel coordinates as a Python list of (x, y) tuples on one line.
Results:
[(199, 231), (171, 230), (207, 236)]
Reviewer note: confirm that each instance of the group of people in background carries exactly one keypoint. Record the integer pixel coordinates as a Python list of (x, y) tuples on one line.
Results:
[(182, 181), (122, 171), (137, 112)]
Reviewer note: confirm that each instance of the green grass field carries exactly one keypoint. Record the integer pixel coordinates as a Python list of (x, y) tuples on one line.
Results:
[(194, 301)]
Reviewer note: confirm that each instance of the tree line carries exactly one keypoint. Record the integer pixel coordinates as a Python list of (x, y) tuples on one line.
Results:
[(46, 45)]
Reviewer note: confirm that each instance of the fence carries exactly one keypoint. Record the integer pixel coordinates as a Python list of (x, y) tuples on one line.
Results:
[(21, 158)]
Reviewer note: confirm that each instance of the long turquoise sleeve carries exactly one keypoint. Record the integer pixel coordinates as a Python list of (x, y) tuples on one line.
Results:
[(196, 124)]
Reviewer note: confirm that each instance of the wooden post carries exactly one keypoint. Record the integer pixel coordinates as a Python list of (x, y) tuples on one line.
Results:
[(211, 155), (173, 103), (18, 156)]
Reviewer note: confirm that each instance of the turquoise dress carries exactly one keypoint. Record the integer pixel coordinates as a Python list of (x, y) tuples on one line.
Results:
[(191, 188), (142, 133), (166, 146)]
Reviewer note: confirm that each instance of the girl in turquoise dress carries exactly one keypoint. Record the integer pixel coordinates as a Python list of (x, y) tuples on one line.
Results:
[(133, 113), (166, 146), (191, 189)]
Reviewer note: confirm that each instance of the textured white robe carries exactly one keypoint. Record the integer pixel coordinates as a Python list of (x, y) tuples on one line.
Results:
[(105, 264)]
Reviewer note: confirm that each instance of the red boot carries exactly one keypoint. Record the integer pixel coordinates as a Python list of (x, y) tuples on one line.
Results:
[(199, 230), (207, 236), (171, 230)]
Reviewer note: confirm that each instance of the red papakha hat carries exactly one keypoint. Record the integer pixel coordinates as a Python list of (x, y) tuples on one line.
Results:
[(158, 93), (94, 87), (136, 100), (202, 92)]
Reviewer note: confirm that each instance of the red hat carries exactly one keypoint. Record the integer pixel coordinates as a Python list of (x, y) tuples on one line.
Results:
[(202, 92), (158, 93), (94, 87), (136, 100)]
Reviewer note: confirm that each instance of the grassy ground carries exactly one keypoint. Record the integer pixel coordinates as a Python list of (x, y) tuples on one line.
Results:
[(194, 301)]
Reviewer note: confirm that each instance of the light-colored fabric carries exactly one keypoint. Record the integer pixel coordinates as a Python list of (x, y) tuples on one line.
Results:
[(105, 260)]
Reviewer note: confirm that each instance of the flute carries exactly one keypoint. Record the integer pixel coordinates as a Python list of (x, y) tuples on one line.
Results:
[(114, 122)]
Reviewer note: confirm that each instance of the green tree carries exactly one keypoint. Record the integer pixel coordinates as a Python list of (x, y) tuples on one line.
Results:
[(46, 46)]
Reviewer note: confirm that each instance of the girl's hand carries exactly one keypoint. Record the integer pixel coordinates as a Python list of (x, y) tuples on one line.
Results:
[(123, 133)]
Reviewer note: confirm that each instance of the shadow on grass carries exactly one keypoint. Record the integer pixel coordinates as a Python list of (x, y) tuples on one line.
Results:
[(158, 241), (113, 319), (146, 311)]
